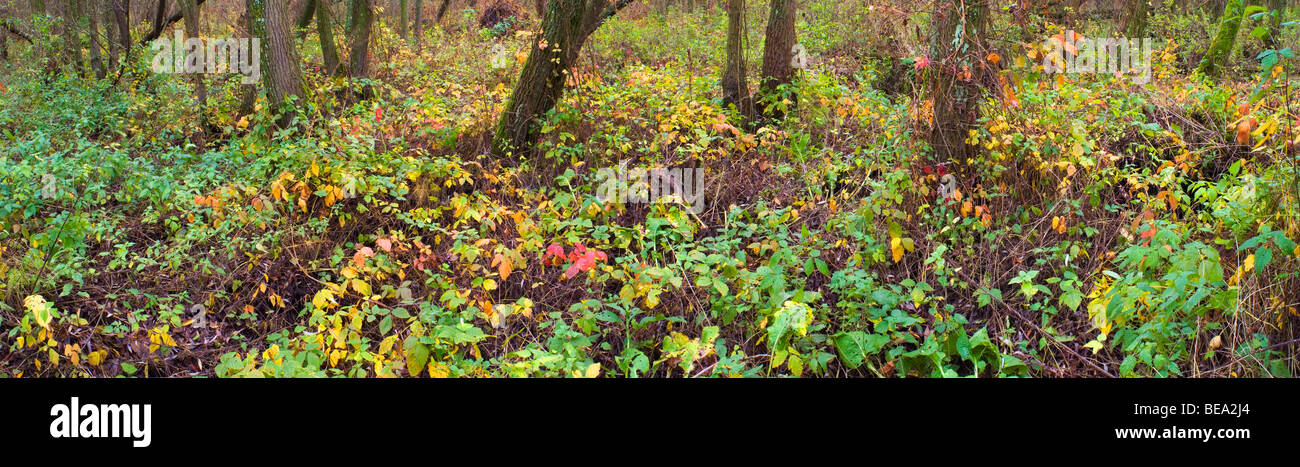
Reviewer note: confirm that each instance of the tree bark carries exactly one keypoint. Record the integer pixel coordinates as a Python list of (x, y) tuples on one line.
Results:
[(565, 28), (191, 12), (442, 9), (402, 19), (122, 21), (1135, 18), (735, 87), (363, 15), (281, 73), (419, 20), (1224, 39), (954, 87), (777, 53), (90, 18), (325, 31)]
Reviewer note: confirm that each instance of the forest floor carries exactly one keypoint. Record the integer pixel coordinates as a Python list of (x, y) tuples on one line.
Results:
[(1104, 228)]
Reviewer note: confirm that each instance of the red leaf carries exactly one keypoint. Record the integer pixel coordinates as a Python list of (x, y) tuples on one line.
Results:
[(553, 252)]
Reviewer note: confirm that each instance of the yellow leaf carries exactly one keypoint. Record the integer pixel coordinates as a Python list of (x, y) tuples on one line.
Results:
[(489, 285), (438, 370), (1250, 263), (40, 310), (593, 370), (896, 247), (1216, 342), (362, 287)]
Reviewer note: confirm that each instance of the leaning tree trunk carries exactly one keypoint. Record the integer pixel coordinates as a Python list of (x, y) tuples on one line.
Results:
[(363, 16), (735, 87), (955, 50), (565, 27), (325, 30), (122, 21), (281, 73), (1224, 39), (1135, 18), (442, 10), (778, 50)]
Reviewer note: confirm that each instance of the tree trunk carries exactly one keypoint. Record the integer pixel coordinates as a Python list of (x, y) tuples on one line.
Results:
[(325, 31), (777, 54), (159, 13), (442, 9), (954, 87), (1224, 39), (1135, 18), (735, 86), (122, 21), (363, 15), (419, 20), (565, 27), (72, 34), (281, 73), (196, 70), (110, 34), (304, 18), (91, 19), (402, 19)]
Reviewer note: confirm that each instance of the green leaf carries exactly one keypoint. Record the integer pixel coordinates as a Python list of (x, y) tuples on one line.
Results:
[(417, 356), (128, 368), (1262, 256), (1072, 299)]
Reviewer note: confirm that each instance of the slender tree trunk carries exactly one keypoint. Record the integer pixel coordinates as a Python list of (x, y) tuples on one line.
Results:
[(90, 18), (442, 9), (159, 14), (195, 70), (281, 72), (325, 31), (363, 14), (122, 21), (110, 34), (72, 34), (565, 28), (402, 21), (777, 54), (954, 83), (735, 87), (1135, 18), (1224, 39), (540, 6), (304, 18), (419, 20)]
